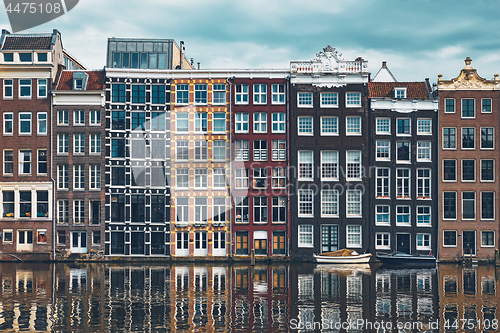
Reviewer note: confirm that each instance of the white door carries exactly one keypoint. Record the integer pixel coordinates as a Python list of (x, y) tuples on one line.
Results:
[(219, 243), (78, 242), (25, 240), (200, 243), (182, 244)]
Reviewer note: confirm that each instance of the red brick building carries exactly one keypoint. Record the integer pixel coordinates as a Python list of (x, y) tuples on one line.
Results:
[(468, 162)]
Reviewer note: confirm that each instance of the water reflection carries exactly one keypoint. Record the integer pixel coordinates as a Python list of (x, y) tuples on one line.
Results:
[(243, 298)]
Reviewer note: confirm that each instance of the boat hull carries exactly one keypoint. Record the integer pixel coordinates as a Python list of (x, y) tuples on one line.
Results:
[(408, 261), (359, 259)]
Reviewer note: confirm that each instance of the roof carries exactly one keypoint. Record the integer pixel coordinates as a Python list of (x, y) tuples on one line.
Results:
[(27, 43), (96, 80), (384, 89), (384, 74)]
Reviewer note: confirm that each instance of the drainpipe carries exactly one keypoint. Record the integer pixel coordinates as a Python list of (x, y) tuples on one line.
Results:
[(230, 168), (289, 215), (49, 121)]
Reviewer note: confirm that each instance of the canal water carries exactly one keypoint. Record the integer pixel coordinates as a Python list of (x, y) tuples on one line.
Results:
[(39, 297)]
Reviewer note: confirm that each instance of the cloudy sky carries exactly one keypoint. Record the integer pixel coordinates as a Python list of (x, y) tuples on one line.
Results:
[(418, 38)]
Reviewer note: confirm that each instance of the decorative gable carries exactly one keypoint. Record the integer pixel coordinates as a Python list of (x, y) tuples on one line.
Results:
[(468, 80)]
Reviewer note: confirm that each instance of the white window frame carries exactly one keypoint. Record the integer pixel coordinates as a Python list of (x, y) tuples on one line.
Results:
[(483, 218), (351, 163), (426, 239), (350, 202), (383, 191), (241, 96), (199, 119), (218, 145), (379, 126), (30, 122), (261, 203), (352, 99), (456, 138), (95, 177), (259, 94), (398, 213), (6, 121), (219, 178), (494, 239), (62, 174), (352, 129), (377, 213), (183, 117), (42, 83), (352, 232), (260, 174), (179, 98), (95, 117), (329, 203), (474, 205), (25, 85), (454, 105), (78, 209), (221, 118), (278, 94), (420, 212), (277, 153), (456, 240), (474, 173), (424, 151), (400, 92), (329, 165), (305, 231), (78, 177), (259, 153), (482, 106), (421, 125), (403, 134), (385, 241), (79, 144), (7, 85), (462, 105), (40, 121), (329, 99), (422, 182), (77, 120), (218, 90), (401, 182), (9, 162), (95, 143), (334, 127), (242, 150), (241, 178), (383, 147), (260, 122), (201, 178), (305, 206), (241, 122), (474, 140), (200, 150), (481, 138), (409, 152), (306, 161), (21, 163), (481, 175), (181, 175), (305, 99), (305, 126), (279, 122), (443, 171)]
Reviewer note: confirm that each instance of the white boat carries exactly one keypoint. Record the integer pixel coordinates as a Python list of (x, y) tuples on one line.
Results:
[(343, 257)]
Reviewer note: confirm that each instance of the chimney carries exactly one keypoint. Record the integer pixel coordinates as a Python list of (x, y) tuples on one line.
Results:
[(182, 54), (384, 64), (198, 65), (192, 62), (428, 84)]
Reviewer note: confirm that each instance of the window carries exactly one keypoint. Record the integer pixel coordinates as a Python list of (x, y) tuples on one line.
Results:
[(219, 210), (353, 203), (304, 100), (449, 105), (241, 242), (241, 209), (8, 123), (423, 242), (219, 150), (403, 215), (182, 93), (158, 208), (63, 117), (487, 137), (306, 161), (353, 164), (353, 99), (403, 126), (329, 203), (241, 122), (486, 105), (219, 178), (449, 238), (118, 93), (305, 125), (42, 123), (488, 238), (25, 161), (260, 178), (8, 204), (487, 170), (400, 92), (423, 183), (279, 150), (403, 183), (95, 143), (329, 165), (79, 177), (182, 178), (219, 94), (449, 170), (8, 88), (259, 94), (278, 122), (278, 93), (424, 126), (241, 150), (79, 143), (241, 93), (118, 120), (423, 216), (382, 215), (158, 94), (353, 125), (260, 150), (383, 126), (306, 208), (329, 126), (137, 149), (450, 205), (200, 178), (78, 211), (62, 177), (423, 151), (383, 150), (8, 57), (138, 93), (383, 183), (260, 122), (25, 57), (382, 241), (96, 237), (278, 177), (468, 205), (42, 162), (182, 210), (42, 88), (182, 122), (117, 208), (201, 150), (469, 170), (468, 108), (63, 211), (200, 94), (24, 123), (260, 209), (8, 235), (79, 117), (118, 147), (8, 162), (305, 236), (403, 152), (449, 138), (138, 121), (241, 178), (353, 236), (24, 88), (219, 122), (487, 205), (137, 208), (329, 99), (95, 177), (158, 121), (25, 203), (279, 209)]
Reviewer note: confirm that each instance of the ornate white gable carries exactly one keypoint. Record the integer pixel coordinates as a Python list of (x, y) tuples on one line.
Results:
[(468, 80)]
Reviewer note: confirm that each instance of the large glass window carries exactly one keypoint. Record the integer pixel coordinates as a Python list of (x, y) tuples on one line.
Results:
[(449, 170), (329, 203), (118, 120), (241, 122), (24, 88), (450, 205), (468, 108), (403, 126), (383, 183), (423, 183), (306, 163), (260, 209), (329, 164), (353, 164), (354, 236), (468, 138), (279, 209), (329, 126), (241, 209), (305, 235), (182, 93), (403, 183), (278, 122), (487, 170), (353, 125), (8, 88), (62, 177), (8, 123), (260, 94), (241, 178), (353, 203), (487, 137), (42, 123), (449, 138), (304, 99), (306, 208), (383, 150), (241, 93), (42, 162), (260, 122), (260, 150), (24, 123), (487, 205), (353, 99), (383, 125), (219, 150), (469, 205), (403, 215), (469, 170), (118, 93), (8, 162), (278, 93), (279, 150), (79, 143), (25, 161), (424, 126), (486, 105), (200, 93), (219, 122), (403, 152), (382, 215), (8, 204)]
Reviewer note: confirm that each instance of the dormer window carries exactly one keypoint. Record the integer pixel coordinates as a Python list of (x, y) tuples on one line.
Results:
[(80, 80), (42, 57), (400, 92), (8, 57), (25, 57), (78, 84)]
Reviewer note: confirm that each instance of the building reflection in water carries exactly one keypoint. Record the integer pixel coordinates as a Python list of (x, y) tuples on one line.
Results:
[(240, 298)]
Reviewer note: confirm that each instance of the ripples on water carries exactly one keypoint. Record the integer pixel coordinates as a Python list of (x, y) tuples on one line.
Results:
[(242, 298)]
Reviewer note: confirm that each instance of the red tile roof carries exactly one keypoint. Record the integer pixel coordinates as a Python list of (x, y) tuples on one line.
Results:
[(385, 89), (27, 43), (96, 80)]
